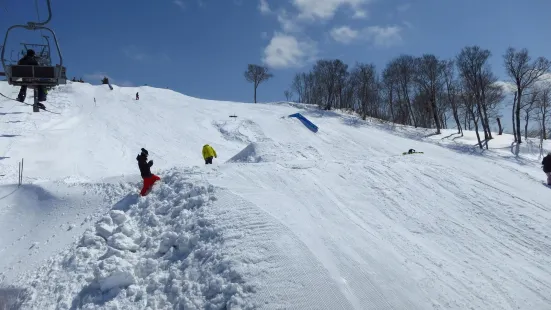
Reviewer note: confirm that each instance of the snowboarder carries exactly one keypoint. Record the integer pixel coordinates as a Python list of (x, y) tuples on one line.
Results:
[(30, 60), (411, 151), (145, 169), (208, 153), (137, 96), (547, 167)]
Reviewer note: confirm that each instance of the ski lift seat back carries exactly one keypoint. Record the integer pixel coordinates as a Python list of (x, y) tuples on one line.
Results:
[(20, 75)]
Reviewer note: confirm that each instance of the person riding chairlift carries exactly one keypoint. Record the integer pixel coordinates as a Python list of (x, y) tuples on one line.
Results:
[(30, 60)]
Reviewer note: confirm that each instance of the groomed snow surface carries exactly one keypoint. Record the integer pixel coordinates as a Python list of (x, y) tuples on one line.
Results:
[(284, 219)]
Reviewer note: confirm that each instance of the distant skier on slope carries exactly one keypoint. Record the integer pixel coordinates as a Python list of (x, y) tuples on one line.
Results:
[(145, 169), (208, 153), (547, 167), (137, 96)]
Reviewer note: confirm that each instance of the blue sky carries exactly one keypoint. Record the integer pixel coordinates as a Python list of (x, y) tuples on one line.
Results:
[(202, 47)]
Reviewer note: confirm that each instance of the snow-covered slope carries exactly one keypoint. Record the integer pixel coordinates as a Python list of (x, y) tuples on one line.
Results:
[(285, 218)]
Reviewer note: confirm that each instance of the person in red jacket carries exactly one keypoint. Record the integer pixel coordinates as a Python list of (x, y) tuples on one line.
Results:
[(145, 169)]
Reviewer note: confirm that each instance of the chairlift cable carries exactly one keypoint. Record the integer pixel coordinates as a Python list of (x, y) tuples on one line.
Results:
[(38, 15)]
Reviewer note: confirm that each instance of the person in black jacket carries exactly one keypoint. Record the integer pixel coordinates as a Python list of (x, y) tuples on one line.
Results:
[(547, 167), (145, 169), (30, 60)]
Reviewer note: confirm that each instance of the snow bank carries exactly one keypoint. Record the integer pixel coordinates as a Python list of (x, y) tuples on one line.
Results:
[(245, 131), (39, 220), (162, 252), (270, 151)]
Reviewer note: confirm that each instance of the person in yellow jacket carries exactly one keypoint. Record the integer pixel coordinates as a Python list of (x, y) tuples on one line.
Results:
[(208, 154)]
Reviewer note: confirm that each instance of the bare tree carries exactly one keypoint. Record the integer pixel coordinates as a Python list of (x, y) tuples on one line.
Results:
[(498, 120), (468, 100), (299, 86), (479, 81), (405, 67), (528, 107), (524, 74), (288, 95), (429, 76), (390, 87), (513, 117), (452, 92), (257, 74), (329, 82), (544, 106), (364, 78)]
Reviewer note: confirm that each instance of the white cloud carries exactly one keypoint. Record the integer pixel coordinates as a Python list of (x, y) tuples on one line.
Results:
[(264, 7), (326, 9), (360, 14), (383, 36), (510, 87), (180, 3), (376, 35), (507, 87), (344, 34), (288, 24), (285, 51)]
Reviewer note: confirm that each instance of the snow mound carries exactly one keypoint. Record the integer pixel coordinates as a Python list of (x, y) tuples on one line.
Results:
[(39, 220), (270, 151), (245, 131), (162, 252)]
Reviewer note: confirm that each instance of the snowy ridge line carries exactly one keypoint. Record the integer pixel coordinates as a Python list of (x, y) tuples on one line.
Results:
[(161, 251)]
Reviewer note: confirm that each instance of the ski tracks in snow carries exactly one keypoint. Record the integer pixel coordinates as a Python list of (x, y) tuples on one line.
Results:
[(417, 214), (285, 273)]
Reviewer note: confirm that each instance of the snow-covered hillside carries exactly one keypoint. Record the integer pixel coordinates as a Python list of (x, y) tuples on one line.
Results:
[(285, 218)]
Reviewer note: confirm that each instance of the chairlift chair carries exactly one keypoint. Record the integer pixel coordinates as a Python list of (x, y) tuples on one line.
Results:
[(30, 76)]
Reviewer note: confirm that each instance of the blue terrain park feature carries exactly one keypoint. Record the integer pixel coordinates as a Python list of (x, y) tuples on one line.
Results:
[(305, 121)]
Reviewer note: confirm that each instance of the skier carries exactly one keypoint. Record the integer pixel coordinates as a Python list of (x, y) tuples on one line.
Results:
[(137, 96), (30, 60), (208, 153), (547, 167), (148, 178)]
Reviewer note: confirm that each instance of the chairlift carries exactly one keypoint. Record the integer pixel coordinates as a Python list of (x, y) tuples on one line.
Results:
[(25, 75)]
